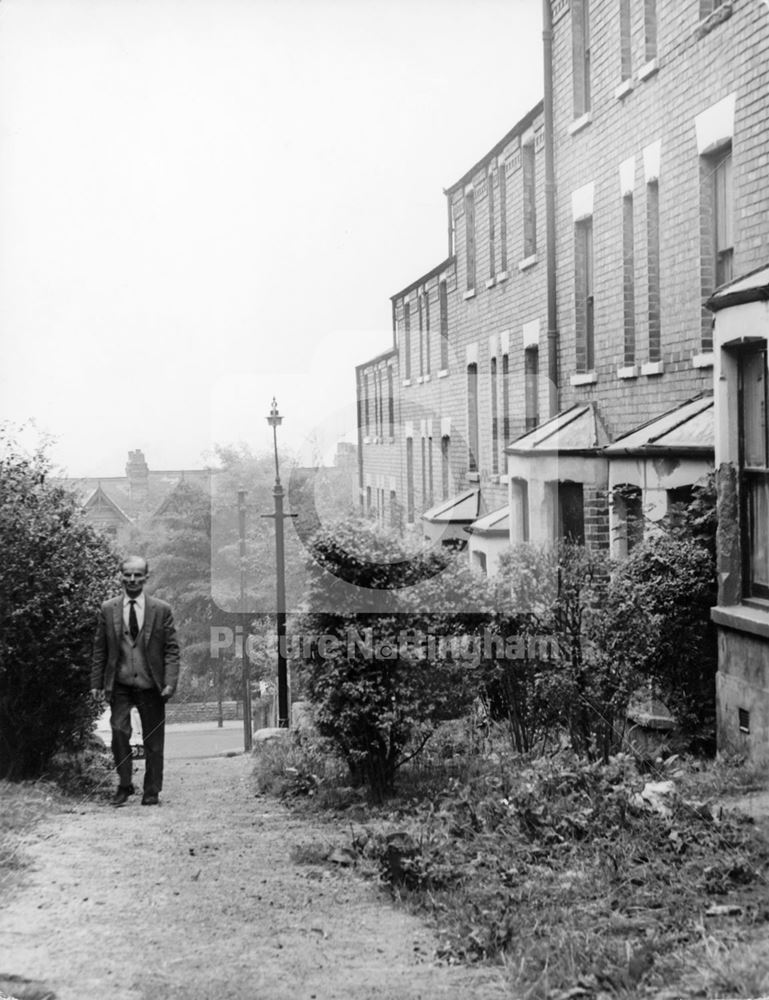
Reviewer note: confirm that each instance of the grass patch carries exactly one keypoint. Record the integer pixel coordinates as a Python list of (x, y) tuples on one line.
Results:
[(22, 805)]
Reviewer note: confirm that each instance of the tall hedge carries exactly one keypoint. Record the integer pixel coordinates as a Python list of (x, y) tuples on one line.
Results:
[(54, 572)]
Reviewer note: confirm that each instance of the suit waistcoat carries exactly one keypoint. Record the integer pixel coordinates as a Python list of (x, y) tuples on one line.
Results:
[(132, 667)]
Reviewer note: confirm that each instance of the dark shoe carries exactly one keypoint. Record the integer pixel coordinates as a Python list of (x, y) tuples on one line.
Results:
[(150, 799), (121, 795)]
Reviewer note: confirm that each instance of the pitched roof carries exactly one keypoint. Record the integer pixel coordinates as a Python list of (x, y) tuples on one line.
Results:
[(463, 507), (497, 522), (98, 500), (688, 427), (578, 429)]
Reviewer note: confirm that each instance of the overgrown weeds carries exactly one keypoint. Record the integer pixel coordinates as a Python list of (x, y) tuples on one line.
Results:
[(576, 875)]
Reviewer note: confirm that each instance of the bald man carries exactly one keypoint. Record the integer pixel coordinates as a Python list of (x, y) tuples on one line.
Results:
[(136, 663)]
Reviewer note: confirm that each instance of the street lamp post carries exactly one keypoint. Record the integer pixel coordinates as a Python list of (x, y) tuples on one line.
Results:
[(275, 420), (246, 680)]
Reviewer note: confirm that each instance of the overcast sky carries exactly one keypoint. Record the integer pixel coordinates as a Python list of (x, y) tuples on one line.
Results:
[(205, 203)]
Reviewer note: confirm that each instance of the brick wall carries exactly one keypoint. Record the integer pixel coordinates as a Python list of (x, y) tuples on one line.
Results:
[(693, 73), (637, 149)]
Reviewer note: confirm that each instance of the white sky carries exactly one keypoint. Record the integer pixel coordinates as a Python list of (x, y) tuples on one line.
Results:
[(205, 203)]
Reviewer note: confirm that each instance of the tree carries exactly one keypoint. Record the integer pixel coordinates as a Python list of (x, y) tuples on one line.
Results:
[(56, 571), (177, 545)]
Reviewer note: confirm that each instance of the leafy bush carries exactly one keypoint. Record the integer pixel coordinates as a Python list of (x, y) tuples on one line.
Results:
[(56, 571), (376, 696), (670, 579)]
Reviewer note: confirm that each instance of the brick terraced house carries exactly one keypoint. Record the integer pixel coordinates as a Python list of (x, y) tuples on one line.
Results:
[(554, 376)]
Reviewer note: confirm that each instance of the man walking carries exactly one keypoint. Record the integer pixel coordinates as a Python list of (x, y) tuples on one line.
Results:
[(136, 663)]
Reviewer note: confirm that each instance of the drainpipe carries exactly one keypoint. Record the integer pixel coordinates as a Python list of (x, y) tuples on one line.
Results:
[(552, 318)]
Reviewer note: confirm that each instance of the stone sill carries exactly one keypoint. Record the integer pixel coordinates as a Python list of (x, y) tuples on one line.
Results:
[(473, 477), (648, 69), (443, 373), (469, 294), (367, 440), (491, 282), (426, 378), (406, 383), (623, 89), (494, 478), (583, 378), (703, 360), (743, 618), (502, 276), (722, 13), (528, 262), (579, 123), (653, 368), (627, 371)]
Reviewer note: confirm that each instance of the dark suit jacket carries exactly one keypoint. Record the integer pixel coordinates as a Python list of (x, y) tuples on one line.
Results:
[(161, 647)]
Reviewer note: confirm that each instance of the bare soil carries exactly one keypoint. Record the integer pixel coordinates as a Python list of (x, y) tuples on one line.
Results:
[(200, 899)]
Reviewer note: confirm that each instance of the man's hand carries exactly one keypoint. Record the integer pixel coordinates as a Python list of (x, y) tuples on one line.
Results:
[(166, 693), (97, 694)]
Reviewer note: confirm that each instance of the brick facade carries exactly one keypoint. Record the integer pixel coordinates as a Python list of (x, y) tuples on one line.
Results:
[(642, 123)]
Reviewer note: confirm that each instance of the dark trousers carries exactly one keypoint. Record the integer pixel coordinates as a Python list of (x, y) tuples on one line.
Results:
[(152, 712)]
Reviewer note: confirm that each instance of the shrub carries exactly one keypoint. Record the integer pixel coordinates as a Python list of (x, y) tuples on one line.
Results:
[(55, 572), (376, 696)]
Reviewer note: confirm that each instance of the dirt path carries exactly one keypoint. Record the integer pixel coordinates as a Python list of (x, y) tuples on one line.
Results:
[(199, 899)]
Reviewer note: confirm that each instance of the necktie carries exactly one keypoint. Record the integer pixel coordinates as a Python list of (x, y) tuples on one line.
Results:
[(133, 621)]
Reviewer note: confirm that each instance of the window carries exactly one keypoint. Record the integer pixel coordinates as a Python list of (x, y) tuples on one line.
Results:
[(571, 513), (580, 26), (743, 718), (444, 314), (472, 418), (723, 212), (407, 339), (395, 514), (519, 521), (584, 303), (445, 467), (754, 470), (366, 406), (479, 559), (628, 277), (502, 175), (628, 509), (494, 420), (506, 399), (470, 238), (368, 500), (626, 57), (492, 227), (650, 29), (420, 311), (390, 402), (531, 386), (429, 472), (653, 269), (424, 473), (410, 480), (380, 405), (717, 233), (529, 201), (426, 302)]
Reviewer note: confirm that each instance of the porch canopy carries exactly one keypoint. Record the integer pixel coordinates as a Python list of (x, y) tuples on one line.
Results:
[(685, 429), (495, 523), (557, 449), (446, 521)]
